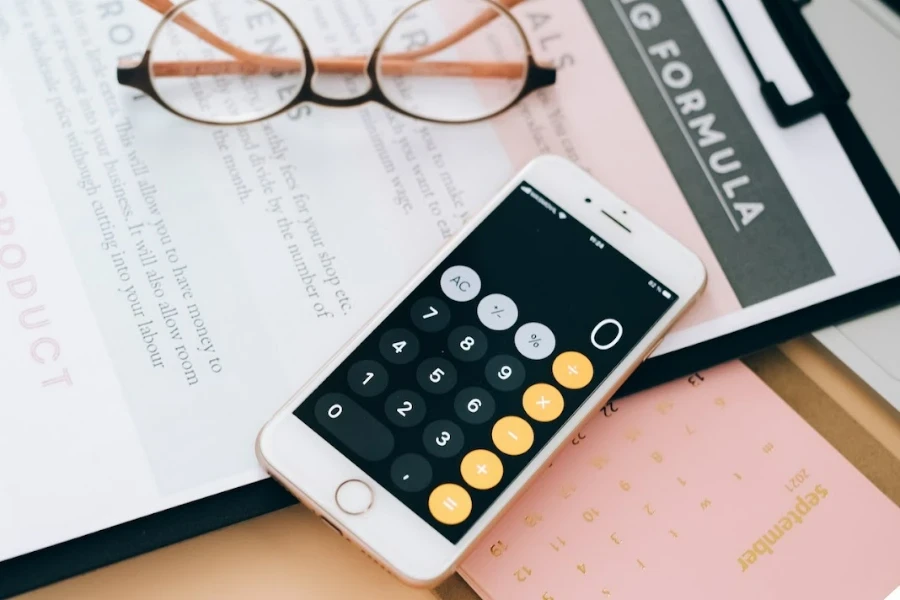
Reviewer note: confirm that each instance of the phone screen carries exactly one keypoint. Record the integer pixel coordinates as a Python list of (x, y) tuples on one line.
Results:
[(462, 385)]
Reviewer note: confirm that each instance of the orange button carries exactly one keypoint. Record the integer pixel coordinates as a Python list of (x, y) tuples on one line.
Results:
[(512, 435), (481, 469), (450, 504), (543, 402), (573, 370)]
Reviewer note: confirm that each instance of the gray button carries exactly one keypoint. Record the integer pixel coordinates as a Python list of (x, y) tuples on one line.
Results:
[(497, 312), (461, 283), (535, 341)]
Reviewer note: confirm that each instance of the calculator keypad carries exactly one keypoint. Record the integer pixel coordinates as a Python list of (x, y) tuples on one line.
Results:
[(471, 395)]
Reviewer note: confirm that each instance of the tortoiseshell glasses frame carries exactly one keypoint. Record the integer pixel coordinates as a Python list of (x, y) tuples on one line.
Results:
[(142, 74)]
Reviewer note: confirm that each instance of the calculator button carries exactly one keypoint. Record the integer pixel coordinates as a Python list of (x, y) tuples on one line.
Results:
[(411, 472), (497, 312), (481, 469), (354, 426), (367, 378), (467, 343), (436, 375), (461, 283), (399, 346), (404, 408), (443, 439), (573, 370), (535, 341), (543, 402), (474, 405), (430, 314), (504, 373), (512, 435), (450, 504)]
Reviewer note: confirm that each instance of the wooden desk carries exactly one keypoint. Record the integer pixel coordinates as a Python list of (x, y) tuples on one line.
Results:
[(290, 554)]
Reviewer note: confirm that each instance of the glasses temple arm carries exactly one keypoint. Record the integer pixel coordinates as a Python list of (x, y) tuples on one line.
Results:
[(389, 66), (163, 7), (338, 65), (460, 34)]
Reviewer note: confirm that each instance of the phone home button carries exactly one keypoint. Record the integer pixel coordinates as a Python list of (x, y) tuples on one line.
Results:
[(354, 497)]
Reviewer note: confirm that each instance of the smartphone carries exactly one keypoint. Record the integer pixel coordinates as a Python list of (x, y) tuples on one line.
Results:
[(417, 435)]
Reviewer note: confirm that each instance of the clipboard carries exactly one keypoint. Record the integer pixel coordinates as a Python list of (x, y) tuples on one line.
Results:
[(829, 98)]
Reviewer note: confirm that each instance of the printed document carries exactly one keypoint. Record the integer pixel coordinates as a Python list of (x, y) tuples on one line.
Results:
[(166, 286)]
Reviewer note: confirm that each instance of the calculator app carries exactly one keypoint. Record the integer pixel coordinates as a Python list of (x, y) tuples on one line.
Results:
[(459, 388)]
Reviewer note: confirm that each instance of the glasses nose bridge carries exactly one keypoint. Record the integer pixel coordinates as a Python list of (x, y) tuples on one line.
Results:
[(322, 69)]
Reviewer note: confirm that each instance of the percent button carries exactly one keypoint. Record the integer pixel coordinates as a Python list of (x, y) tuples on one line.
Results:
[(535, 341)]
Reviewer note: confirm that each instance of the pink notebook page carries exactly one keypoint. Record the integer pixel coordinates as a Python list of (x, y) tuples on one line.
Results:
[(710, 487)]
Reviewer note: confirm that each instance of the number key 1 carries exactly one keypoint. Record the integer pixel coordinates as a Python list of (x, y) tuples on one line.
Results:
[(367, 378)]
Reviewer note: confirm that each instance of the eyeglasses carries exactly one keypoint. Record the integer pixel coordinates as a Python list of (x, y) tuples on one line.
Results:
[(233, 62)]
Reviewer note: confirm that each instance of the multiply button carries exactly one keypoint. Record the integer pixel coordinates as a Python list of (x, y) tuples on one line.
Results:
[(512, 435), (573, 370), (543, 402), (450, 504), (481, 469), (460, 283)]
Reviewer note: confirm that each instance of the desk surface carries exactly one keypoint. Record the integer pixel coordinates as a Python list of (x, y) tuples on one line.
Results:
[(290, 554)]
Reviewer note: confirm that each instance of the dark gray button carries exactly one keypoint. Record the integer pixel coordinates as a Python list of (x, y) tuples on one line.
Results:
[(404, 408), (474, 405), (467, 343), (504, 373), (399, 346), (411, 472), (367, 378), (353, 426), (436, 375), (443, 439), (430, 314)]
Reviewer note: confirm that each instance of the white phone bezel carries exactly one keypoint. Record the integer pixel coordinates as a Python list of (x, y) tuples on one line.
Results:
[(389, 531)]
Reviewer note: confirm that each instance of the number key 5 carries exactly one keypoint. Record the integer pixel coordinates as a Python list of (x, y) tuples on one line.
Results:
[(436, 375)]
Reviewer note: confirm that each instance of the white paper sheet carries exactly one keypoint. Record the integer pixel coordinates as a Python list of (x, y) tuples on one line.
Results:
[(157, 304)]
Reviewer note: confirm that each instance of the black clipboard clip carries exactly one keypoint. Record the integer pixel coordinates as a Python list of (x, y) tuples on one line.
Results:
[(828, 88)]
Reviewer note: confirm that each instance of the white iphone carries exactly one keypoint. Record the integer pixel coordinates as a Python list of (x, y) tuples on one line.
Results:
[(413, 439)]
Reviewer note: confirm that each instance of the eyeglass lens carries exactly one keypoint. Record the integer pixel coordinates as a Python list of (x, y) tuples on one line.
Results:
[(227, 61)]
